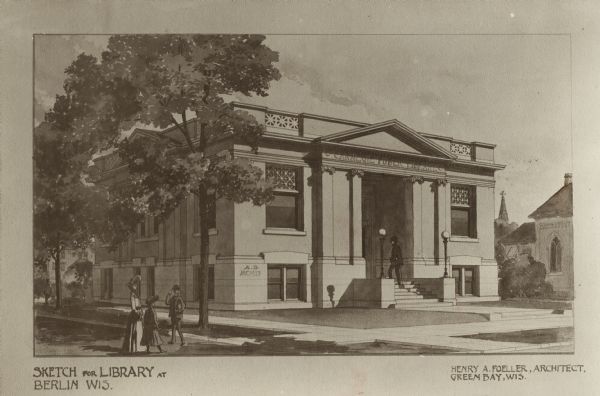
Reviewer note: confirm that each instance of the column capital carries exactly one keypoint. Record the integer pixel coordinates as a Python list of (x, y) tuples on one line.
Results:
[(355, 172), (417, 179), (327, 169), (441, 181)]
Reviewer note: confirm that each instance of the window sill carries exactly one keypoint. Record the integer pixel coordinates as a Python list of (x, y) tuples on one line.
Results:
[(283, 231), (147, 239), (211, 231), (555, 273), (464, 239)]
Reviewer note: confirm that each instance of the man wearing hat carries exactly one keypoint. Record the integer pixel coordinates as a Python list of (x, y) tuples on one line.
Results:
[(395, 260), (176, 308)]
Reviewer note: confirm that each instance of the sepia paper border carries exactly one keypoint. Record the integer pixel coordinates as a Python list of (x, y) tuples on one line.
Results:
[(324, 375)]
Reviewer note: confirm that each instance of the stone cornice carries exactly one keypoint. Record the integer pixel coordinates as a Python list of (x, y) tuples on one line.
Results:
[(479, 164)]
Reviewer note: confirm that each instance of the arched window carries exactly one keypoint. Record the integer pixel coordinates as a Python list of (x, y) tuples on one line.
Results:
[(555, 255)]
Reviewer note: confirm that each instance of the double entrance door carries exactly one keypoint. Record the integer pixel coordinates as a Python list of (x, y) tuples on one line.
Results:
[(463, 281)]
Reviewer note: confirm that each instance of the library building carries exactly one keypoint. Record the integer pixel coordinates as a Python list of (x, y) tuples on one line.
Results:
[(344, 190)]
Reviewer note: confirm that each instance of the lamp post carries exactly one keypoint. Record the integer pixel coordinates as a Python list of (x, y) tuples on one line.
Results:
[(381, 240), (445, 236)]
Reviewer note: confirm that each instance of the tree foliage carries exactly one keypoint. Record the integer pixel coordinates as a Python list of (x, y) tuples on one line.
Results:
[(159, 81), (523, 280), (66, 211)]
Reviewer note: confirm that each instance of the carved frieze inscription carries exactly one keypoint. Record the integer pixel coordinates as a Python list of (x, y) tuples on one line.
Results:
[(383, 161)]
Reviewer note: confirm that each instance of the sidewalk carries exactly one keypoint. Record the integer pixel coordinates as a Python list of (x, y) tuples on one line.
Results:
[(444, 336)]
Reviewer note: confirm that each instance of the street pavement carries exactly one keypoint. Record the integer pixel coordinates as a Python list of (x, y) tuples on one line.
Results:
[(445, 335)]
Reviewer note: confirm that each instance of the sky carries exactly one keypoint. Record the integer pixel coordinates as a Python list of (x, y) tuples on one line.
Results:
[(510, 90)]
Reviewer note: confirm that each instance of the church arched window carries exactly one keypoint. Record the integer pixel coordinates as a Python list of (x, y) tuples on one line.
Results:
[(555, 255)]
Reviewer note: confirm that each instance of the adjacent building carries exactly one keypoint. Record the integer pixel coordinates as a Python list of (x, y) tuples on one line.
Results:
[(318, 244), (521, 243), (548, 239), (554, 237)]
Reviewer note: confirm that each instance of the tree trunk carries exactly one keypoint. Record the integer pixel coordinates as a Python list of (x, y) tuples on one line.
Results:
[(204, 246), (57, 279)]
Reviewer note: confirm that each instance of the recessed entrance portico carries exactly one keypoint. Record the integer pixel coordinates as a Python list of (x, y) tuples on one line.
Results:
[(366, 188)]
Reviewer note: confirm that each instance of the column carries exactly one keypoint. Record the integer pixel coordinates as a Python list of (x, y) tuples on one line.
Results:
[(417, 202), (440, 218), (355, 214), (327, 211)]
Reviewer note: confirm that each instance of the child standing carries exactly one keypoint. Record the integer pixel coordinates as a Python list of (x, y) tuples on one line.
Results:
[(150, 336)]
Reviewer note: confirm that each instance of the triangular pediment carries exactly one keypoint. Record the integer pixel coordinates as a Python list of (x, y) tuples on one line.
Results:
[(384, 140), (390, 136)]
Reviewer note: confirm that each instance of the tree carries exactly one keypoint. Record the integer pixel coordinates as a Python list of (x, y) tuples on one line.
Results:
[(64, 208), (160, 81)]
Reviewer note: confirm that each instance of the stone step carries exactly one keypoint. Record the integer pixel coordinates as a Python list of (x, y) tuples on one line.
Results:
[(409, 297), (423, 301), (406, 291), (424, 305), (405, 287)]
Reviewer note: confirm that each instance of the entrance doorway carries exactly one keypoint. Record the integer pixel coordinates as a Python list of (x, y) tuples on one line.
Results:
[(384, 205), (463, 281)]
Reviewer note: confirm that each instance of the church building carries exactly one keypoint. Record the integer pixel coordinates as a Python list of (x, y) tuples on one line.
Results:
[(343, 189)]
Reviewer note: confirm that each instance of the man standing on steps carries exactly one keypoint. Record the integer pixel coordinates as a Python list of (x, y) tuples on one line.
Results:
[(395, 260)]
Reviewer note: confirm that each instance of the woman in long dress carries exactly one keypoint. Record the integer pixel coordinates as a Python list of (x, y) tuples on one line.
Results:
[(134, 331), (151, 336)]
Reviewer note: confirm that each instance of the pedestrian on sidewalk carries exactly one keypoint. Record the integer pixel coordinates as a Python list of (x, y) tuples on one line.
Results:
[(176, 308), (133, 334), (395, 260), (150, 336)]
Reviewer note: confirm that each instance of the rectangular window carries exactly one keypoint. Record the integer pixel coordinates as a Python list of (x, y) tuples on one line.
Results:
[(211, 282), (196, 214), (155, 224), (284, 283), (106, 283), (142, 229), (468, 281), (212, 214), (463, 213), (196, 280), (292, 283), (150, 281), (285, 210), (456, 276), (274, 283)]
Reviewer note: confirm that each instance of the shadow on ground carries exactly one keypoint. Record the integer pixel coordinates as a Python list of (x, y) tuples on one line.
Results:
[(538, 336)]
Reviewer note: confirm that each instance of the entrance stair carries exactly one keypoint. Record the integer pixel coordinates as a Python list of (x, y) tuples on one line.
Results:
[(409, 295)]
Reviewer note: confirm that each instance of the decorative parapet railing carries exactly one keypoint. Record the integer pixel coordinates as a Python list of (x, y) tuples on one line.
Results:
[(461, 149), (283, 121)]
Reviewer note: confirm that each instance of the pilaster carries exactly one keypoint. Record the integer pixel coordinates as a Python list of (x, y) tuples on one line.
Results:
[(355, 229)]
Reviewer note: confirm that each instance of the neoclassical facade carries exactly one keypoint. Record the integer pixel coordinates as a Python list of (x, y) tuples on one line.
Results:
[(338, 183)]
